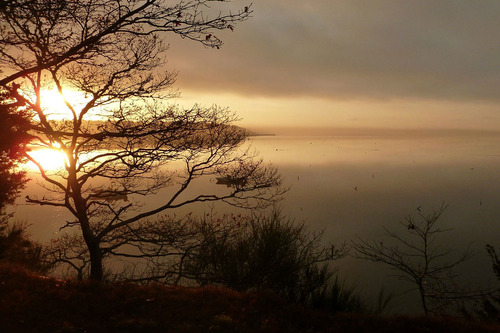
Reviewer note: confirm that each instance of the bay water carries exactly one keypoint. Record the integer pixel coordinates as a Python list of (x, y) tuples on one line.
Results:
[(353, 185)]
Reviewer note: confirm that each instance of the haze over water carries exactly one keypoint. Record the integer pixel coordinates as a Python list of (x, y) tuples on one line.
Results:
[(353, 183)]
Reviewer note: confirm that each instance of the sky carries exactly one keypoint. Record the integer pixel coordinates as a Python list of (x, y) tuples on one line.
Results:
[(352, 63)]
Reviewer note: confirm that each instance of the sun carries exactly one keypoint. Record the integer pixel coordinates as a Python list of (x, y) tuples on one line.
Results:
[(55, 107), (49, 159), (54, 103)]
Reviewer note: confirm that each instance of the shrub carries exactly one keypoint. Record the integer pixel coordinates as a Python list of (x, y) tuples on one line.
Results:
[(490, 307), (16, 247), (264, 252), (337, 297)]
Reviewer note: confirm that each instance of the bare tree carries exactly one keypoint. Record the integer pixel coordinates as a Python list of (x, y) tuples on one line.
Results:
[(38, 35), (418, 258), (69, 254), (121, 138)]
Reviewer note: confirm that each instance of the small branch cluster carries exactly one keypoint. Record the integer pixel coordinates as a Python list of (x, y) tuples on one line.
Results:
[(52, 34), (420, 260)]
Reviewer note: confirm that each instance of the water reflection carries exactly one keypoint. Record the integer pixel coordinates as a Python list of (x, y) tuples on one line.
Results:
[(353, 186)]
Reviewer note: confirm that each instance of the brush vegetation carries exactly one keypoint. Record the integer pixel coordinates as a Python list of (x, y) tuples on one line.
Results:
[(34, 303)]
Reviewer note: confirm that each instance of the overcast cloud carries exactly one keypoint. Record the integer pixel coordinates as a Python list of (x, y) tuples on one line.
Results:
[(352, 49)]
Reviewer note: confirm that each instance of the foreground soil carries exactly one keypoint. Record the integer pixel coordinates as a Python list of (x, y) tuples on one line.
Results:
[(31, 303)]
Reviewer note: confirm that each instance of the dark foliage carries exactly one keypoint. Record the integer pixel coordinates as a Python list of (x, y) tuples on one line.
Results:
[(30, 303), (490, 306), (265, 252), (14, 125), (17, 248), (337, 297)]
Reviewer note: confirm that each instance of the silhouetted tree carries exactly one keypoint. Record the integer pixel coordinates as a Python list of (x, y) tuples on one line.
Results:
[(38, 35), (419, 259), (17, 248), (69, 255), (14, 124), (264, 251), (490, 306), (121, 139)]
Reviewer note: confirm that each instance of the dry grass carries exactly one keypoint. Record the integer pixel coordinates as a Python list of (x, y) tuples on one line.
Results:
[(30, 303)]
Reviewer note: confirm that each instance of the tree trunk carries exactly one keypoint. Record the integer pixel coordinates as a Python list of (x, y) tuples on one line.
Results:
[(423, 297), (93, 245), (92, 242), (96, 268)]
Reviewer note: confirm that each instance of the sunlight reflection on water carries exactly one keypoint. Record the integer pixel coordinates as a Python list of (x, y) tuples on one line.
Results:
[(354, 186)]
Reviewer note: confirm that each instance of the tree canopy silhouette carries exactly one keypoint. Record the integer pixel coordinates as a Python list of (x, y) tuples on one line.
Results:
[(14, 125), (121, 138)]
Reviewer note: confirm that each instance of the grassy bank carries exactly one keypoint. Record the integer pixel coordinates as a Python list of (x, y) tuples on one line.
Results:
[(31, 303)]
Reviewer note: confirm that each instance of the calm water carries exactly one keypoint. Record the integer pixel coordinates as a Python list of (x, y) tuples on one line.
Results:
[(353, 186)]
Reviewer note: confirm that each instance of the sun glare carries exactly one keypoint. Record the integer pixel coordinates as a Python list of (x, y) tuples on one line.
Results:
[(55, 105), (49, 159)]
